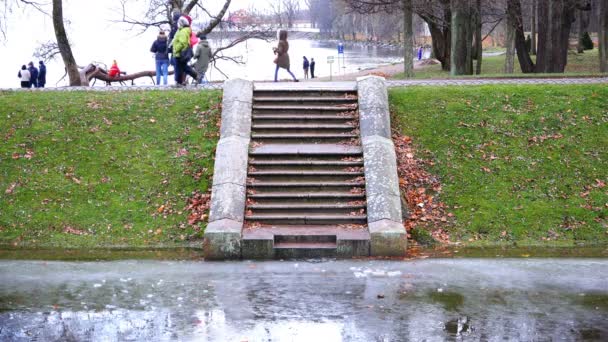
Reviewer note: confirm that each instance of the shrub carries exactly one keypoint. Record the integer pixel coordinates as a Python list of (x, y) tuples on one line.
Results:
[(587, 42)]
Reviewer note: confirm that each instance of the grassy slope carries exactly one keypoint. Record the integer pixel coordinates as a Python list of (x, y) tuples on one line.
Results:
[(499, 182), (103, 163), (578, 64)]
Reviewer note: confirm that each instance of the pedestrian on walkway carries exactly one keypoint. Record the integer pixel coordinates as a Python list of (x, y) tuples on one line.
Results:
[(203, 55), (41, 74), (183, 52), (312, 68), (25, 77), (160, 48), (282, 59), (306, 65), (33, 75), (420, 53)]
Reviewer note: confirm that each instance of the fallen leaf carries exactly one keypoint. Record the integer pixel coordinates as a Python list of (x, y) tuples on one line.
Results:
[(11, 188), (73, 231)]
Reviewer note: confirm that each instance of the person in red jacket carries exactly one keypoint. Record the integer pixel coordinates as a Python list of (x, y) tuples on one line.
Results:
[(114, 70)]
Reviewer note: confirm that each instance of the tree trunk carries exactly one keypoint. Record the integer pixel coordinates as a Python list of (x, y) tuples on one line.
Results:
[(509, 44), (460, 27), (478, 38), (64, 44), (581, 28), (533, 29), (523, 56), (408, 39), (441, 45), (603, 35), (555, 19)]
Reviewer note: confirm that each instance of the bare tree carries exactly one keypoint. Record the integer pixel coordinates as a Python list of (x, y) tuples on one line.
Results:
[(292, 7), (62, 43), (387, 6), (158, 13)]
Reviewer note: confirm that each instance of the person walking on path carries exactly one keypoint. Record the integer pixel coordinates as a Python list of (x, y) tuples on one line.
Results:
[(25, 77), (306, 65), (312, 68), (203, 55), (282, 59), (182, 51), (420, 53), (33, 75), (160, 48), (41, 74)]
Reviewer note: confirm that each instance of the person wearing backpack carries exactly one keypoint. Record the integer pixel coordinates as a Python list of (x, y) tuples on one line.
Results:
[(183, 52), (160, 48)]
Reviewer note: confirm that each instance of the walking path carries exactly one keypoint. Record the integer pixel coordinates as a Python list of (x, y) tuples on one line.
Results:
[(328, 85)]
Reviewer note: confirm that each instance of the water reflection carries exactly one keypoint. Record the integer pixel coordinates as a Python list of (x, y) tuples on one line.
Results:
[(436, 300)]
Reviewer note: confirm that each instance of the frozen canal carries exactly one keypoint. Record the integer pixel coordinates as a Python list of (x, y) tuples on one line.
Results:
[(431, 300)]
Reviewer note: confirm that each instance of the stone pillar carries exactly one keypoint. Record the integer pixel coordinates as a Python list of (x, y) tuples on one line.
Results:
[(223, 233), (388, 236)]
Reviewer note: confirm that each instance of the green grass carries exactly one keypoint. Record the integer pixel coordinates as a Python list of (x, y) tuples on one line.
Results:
[(103, 163), (518, 163), (585, 64)]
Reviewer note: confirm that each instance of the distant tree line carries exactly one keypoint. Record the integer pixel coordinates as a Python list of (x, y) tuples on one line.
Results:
[(458, 28)]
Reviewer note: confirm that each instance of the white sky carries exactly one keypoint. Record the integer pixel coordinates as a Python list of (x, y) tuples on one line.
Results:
[(93, 35)]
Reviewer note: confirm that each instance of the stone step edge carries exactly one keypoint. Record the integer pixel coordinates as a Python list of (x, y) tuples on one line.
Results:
[(305, 184)]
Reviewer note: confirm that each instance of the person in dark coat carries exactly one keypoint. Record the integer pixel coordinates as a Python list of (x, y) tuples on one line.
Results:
[(41, 74), (312, 68), (305, 65), (160, 48), (33, 75), (282, 59), (25, 77)]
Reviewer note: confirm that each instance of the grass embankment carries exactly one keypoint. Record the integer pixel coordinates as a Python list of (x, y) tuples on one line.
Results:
[(584, 64), (95, 169), (525, 164)]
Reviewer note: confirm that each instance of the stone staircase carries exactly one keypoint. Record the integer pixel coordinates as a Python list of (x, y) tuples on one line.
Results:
[(305, 170), (305, 178)]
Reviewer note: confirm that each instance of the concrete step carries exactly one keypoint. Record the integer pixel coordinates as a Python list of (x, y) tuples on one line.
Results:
[(283, 162), (345, 184), (328, 98), (303, 117), (300, 126), (304, 173), (288, 218), (299, 206), (300, 93), (309, 195), (304, 149), (302, 136), (257, 108)]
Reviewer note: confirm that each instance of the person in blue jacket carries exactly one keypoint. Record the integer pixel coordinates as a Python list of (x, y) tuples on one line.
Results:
[(34, 75), (420, 53), (41, 74)]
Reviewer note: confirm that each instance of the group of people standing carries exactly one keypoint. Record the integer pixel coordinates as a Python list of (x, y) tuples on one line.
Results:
[(178, 49), (32, 77), (309, 65)]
